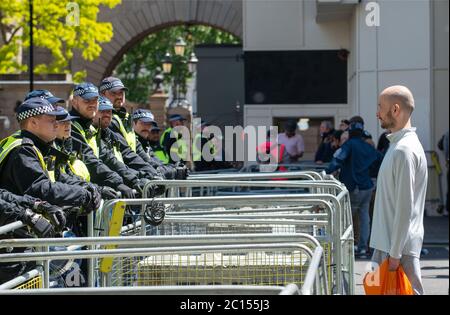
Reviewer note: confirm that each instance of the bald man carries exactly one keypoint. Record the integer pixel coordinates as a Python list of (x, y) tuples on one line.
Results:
[(397, 230)]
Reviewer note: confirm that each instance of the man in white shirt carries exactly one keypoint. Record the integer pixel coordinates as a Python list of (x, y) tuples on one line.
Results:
[(397, 230)]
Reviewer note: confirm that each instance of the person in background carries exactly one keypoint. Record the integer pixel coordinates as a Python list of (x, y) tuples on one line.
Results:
[(336, 140), (295, 146), (273, 153), (324, 153), (366, 136), (345, 123), (443, 146), (354, 159), (383, 142)]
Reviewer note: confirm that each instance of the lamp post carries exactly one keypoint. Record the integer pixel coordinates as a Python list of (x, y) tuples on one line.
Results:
[(174, 63), (31, 52)]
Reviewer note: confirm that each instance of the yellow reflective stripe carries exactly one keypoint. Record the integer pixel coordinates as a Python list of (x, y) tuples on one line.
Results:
[(118, 154), (91, 141), (130, 137), (6, 145), (51, 176)]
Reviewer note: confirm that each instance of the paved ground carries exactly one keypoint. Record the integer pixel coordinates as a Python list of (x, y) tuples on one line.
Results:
[(434, 260)]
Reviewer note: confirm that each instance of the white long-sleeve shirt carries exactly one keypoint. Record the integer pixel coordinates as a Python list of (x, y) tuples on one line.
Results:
[(397, 226)]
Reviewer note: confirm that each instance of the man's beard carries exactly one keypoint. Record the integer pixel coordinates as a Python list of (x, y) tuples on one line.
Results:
[(118, 103), (388, 123)]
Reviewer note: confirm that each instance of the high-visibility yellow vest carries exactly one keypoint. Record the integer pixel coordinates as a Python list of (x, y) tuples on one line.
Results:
[(117, 154), (91, 141), (77, 167), (161, 155), (80, 169), (129, 136), (179, 148), (12, 142), (163, 136), (197, 151)]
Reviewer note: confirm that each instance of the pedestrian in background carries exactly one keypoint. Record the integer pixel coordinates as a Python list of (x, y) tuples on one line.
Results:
[(354, 159), (324, 153), (293, 141)]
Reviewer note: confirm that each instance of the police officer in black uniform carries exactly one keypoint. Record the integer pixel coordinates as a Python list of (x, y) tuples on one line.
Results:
[(68, 164), (31, 212), (69, 167), (147, 133), (24, 164), (121, 124), (110, 146), (85, 106)]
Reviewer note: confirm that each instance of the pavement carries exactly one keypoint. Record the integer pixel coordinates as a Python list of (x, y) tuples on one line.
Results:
[(434, 260)]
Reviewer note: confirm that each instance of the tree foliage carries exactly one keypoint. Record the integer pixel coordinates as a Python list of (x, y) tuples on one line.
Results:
[(139, 65), (55, 28)]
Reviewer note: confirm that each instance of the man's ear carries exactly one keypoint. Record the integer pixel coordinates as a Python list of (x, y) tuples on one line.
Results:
[(396, 108), (72, 102), (32, 122)]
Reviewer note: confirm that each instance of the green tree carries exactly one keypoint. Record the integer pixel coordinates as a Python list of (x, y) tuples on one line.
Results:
[(139, 65), (58, 26)]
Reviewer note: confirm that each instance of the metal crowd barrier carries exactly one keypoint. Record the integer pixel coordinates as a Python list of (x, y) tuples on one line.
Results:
[(340, 247), (321, 214), (242, 260), (290, 289)]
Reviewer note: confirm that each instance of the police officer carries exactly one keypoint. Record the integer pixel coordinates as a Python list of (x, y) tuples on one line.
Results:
[(69, 165), (31, 212), (147, 133), (155, 145), (47, 95), (121, 124), (85, 106), (175, 147), (110, 146), (203, 144), (24, 169), (142, 121)]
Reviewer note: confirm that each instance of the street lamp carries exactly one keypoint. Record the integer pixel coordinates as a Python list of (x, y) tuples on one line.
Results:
[(180, 46), (167, 63), (192, 64), (176, 61)]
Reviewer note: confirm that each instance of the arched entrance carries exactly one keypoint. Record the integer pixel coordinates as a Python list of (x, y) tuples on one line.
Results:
[(133, 20)]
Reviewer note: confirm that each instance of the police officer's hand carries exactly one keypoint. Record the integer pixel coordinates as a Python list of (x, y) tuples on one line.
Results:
[(140, 185), (126, 191), (168, 172), (182, 172), (108, 193), (38, 224), (53, 213), (93, 199)]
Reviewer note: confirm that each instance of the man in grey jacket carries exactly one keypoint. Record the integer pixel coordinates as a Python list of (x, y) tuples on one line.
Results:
[(397, 230)]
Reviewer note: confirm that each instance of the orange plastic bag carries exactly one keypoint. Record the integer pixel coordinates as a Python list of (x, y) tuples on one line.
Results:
[(385, 282)]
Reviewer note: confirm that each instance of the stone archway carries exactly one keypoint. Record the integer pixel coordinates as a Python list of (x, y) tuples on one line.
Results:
[(133, 20)]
